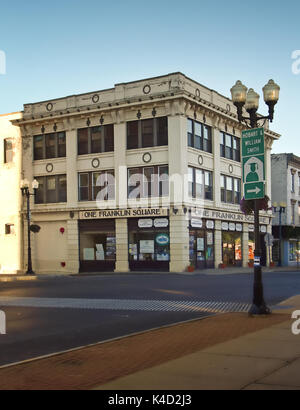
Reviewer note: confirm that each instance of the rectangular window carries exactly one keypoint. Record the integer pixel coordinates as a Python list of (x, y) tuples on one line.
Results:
[(8, 150), (132, 134), (109, 138), (230, 147), (52, 189), (148, 182), (163, 181), (199, 136), (293, 208), (9, 229), (83, 187), (62, 188), (40, 193), (190, 133), (51, 145), (293, 181), (223, 197), (207, 139), (198, 140), (93, 183), (162, 131), (95, 140), (83, 141), (61, 141), (147, 133), (230, 190), (200, 183), (38, 147)]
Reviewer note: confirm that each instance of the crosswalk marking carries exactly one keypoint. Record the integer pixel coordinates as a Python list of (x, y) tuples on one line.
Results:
[(126, 304)]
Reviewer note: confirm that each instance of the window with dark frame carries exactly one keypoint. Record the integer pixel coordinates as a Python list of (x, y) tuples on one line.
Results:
[(146, 182), (46, 146), (9, 229), (152, 132), (52, 189), (90, 184), (230, 147), (230, 189), (200, 183), (199, 135), (8, 150), (95, 140)]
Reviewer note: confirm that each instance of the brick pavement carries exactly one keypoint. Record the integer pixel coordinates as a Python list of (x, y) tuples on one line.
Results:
[(96, 365)]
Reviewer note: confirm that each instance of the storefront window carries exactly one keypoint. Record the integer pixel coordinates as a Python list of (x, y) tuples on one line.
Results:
[(294, 251), (149, 243), (201, 244), (251, 247), (97, 245), (232, 248)]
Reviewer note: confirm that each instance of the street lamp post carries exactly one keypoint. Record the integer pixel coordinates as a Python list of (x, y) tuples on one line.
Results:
[(250, 100), (280, 208), (26, 193)]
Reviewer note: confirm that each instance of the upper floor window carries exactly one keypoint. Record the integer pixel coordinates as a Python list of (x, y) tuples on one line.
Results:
[(292, 180), (8, 150), (230, 189), (51, 145), (230, 147), (199, 136), (52, 189), (94, 140), (150, 132), (98, 185), (9, 229), (200, 183), (148, 182), (293, 212)]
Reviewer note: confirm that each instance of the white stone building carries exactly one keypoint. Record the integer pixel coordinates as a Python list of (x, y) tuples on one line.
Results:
[(11, 257), (169, 139), (286, 191)]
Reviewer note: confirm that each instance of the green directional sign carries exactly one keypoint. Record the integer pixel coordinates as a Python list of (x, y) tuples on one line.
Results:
[(253, 142), (254, 190), (253, 161)]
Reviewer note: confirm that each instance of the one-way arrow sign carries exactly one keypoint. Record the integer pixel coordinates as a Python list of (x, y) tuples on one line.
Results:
[(254, 190)]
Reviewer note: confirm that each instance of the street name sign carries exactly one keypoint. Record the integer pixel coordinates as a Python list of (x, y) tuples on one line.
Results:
[(253, 162)]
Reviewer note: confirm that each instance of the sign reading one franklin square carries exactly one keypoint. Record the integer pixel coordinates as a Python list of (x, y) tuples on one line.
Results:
[(123, 213), (253, 159)]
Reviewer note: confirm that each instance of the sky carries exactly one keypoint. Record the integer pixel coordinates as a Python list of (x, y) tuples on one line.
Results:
[(58, 48)]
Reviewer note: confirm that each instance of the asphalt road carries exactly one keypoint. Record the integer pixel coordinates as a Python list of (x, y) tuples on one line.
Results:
[(33, 331)]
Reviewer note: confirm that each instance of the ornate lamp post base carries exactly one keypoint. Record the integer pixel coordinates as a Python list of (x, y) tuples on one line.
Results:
[(259, 310)]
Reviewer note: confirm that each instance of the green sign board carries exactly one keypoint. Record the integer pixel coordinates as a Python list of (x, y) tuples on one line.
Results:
[(253, 161), (254, 190), (253, 142)]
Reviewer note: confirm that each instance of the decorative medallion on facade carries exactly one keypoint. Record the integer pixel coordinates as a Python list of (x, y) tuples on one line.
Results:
[(147, 89), (230, 168), (200, 160), (95, 98), (49, 107), (147, 157), (95, 163), (49, 167), (197, 93)]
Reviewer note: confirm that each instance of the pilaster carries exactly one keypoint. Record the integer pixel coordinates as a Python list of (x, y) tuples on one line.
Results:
[(121, 245)]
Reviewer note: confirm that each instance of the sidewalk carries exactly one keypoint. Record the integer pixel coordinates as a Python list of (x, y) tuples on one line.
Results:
[(226, 271), (226, 351), (268, 359)]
